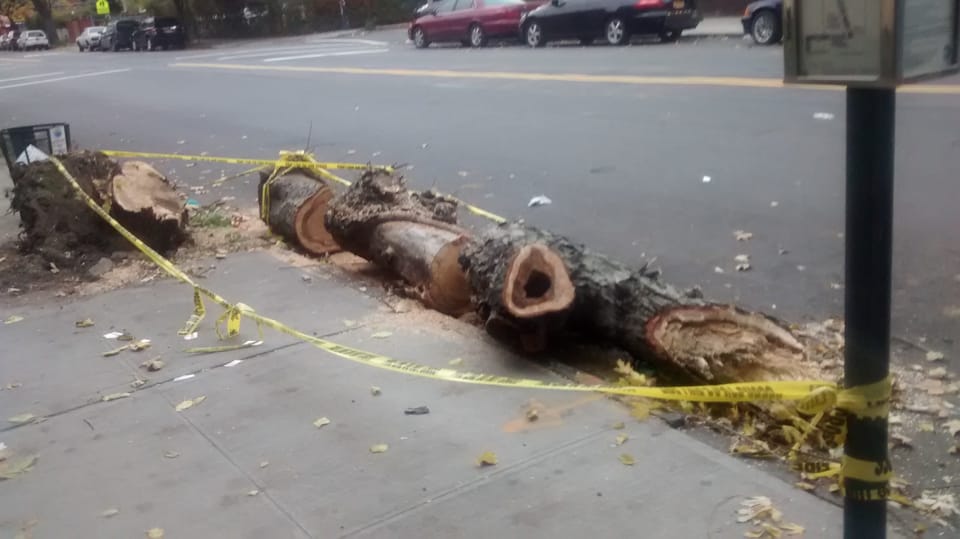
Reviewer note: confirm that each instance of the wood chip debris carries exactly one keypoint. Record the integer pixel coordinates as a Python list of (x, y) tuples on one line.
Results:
[(933, 355), (171, 454), (627, 459), (189, 403), (765, 519), (11, 468), (487, 458), (13, 319), (154, 364), (381, 334), (85, 323), (155, 533), (621, 439), (742, 235), (455, 361), (375, 391), (379, 448), (321, 422), (112, 512), (115, 396), (21, 418)]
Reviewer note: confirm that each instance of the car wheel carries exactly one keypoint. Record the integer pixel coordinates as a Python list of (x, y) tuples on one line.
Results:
[(670, 36), (79, 46), (534, 35), (616, 31), (477, 36), (765, 29), (586, 41), (420, 40)]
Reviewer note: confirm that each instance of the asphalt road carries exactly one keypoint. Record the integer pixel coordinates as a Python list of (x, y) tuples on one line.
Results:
[(621, 139)]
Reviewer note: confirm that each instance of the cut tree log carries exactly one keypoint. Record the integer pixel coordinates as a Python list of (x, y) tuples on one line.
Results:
[(411, 234), (534, 288), (297, 202)]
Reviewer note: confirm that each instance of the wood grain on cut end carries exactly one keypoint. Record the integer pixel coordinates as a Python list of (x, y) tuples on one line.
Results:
[(537, 283), (448, 290), (722, 344), (312, 233)]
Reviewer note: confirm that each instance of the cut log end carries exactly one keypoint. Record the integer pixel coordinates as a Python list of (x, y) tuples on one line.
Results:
[(537, 283), (312, 233), (722, 344), (448, 290)]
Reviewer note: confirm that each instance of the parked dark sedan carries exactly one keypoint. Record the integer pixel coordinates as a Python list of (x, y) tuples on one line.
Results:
[(614, 20), (118, 35), (763, 21), (159, 33)]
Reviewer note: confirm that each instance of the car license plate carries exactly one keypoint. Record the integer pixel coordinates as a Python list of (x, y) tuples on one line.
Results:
[(678, 4)]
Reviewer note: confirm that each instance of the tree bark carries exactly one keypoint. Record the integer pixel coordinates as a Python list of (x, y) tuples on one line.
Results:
[(534, 288), (297, 202), (411, 234)]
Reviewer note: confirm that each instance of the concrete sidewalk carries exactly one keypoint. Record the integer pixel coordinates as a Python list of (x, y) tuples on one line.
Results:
[(248, 461)]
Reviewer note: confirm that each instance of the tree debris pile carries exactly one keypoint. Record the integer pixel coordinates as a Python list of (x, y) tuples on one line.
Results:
[(57, 225)]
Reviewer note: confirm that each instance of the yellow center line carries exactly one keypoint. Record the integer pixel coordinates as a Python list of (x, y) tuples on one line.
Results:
[(737, 82)]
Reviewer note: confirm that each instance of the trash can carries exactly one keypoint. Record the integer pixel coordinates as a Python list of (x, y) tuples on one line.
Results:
[(51, 139)]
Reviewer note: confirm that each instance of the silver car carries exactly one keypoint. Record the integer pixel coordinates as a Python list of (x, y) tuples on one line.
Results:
[(33, 39), (89, 40)]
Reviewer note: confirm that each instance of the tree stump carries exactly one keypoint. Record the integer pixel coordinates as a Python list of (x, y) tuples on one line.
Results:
[(296, 204)]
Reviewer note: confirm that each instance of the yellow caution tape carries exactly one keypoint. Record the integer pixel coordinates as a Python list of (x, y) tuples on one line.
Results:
[(865, 470), (298, 159), (741, 392), (239, 160)]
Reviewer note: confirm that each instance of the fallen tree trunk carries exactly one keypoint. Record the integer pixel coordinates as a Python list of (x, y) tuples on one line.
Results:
[(296, 204), (532, 287), (412, 234), (148, 206)]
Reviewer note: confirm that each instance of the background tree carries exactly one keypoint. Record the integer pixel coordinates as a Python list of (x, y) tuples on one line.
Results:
[(16, 10), (44, 9)]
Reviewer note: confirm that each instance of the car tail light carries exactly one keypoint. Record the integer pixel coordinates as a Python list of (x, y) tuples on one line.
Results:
[(649, 3)]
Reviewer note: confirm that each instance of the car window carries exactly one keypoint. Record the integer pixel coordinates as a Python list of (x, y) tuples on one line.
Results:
[(166, 22), (445, 6), (95, 29), (463, 4)]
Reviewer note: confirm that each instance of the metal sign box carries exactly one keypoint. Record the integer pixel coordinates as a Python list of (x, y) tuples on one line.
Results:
[(873, 43)]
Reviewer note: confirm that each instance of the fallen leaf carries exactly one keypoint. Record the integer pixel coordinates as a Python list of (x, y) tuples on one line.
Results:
[(533, 414), (741, 235), (21, 419), (253, 492), (627, 460), (621, 439), (321, 422), (125, 336), (115, 396), (138, 382), (934, 356), (155, 533), (14, 385), (85, 323), (13, 319), (938, 504), (718, 269), (115, 351), (11, 468), (952, 426), (803, 485), (487, 458), (899, 440), (741, 258), (379, 448), (171, 454), (382, 334), (925, 426), (264, 464), (113, 511), (619, 425), (792, 528), (375, 391), (455, 361), (189, 403), (706, 179)]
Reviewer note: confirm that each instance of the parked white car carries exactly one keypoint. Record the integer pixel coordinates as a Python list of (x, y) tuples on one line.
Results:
[(89, 39), (33, 39)]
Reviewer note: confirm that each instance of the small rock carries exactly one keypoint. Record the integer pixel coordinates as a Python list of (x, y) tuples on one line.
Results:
[(101, 267), (419, 410), (674, 420)]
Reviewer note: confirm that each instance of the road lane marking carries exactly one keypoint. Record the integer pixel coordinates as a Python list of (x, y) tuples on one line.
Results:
[(277, 52), (348, 40), (68, 77), (734, 82), (325, 54), (32, 76), (314, 44)]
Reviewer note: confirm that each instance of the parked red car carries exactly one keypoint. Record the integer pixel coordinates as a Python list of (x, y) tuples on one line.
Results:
[(471, 22)]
